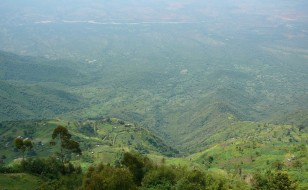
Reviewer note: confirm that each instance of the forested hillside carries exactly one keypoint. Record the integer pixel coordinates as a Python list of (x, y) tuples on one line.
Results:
[(158, 94)]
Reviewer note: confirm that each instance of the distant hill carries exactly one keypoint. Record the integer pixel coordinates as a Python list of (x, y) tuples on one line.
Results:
[(20, 101), (35, 69), (182, 81), (36, 87)]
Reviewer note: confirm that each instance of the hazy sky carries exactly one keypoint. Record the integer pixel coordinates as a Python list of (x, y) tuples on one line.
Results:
[(147, 10), (268, 19)]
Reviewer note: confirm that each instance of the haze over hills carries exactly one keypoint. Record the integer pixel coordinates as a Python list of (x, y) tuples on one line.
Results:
[(160, 74), (193, 73)]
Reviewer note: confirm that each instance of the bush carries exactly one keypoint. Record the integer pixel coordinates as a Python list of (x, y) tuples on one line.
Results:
[(160, 178), (9, 169), (138, 165), (193, 180), (107, 177), (50, 167), (269, 180), (73, 181)]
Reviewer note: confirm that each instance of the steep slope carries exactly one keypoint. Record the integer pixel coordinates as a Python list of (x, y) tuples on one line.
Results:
[(20, 101), (245, 148), (100, 139), (35, 69), (36, 87)]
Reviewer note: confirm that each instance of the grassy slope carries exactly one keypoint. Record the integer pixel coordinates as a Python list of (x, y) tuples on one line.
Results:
[(256, 147), (99, 140), (251, 147)]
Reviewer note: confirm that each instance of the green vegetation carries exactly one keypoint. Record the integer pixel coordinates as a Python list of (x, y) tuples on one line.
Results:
[(17, 181), (201, 103), (67, 146), (278, 180), (259, 148), (217, 138), (181, 85), (102, 139), (107, 177), (138, 172), (23, 145), (262, 156)]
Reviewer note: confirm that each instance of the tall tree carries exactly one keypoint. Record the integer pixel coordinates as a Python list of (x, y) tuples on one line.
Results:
[(67, 145), (23, 145), (137, 165)]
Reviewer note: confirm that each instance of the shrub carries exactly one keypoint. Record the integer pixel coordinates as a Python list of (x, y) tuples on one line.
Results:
[(137, 165), (160, 178), (269, 180), (107, 177)]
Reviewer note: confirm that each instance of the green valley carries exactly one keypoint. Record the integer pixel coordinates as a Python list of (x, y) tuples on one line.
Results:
[(157, 94)]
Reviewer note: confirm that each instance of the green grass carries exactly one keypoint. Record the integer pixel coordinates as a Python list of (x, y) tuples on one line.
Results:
[(19, 181)]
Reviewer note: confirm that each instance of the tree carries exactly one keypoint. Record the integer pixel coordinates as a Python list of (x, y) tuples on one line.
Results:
[(108, 177), (23, 145), (210, 159), (67, 145), (278, 180), (137, 165), (278, 165), (297, 164), (193, 180), (160, 178), (282, 181)]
